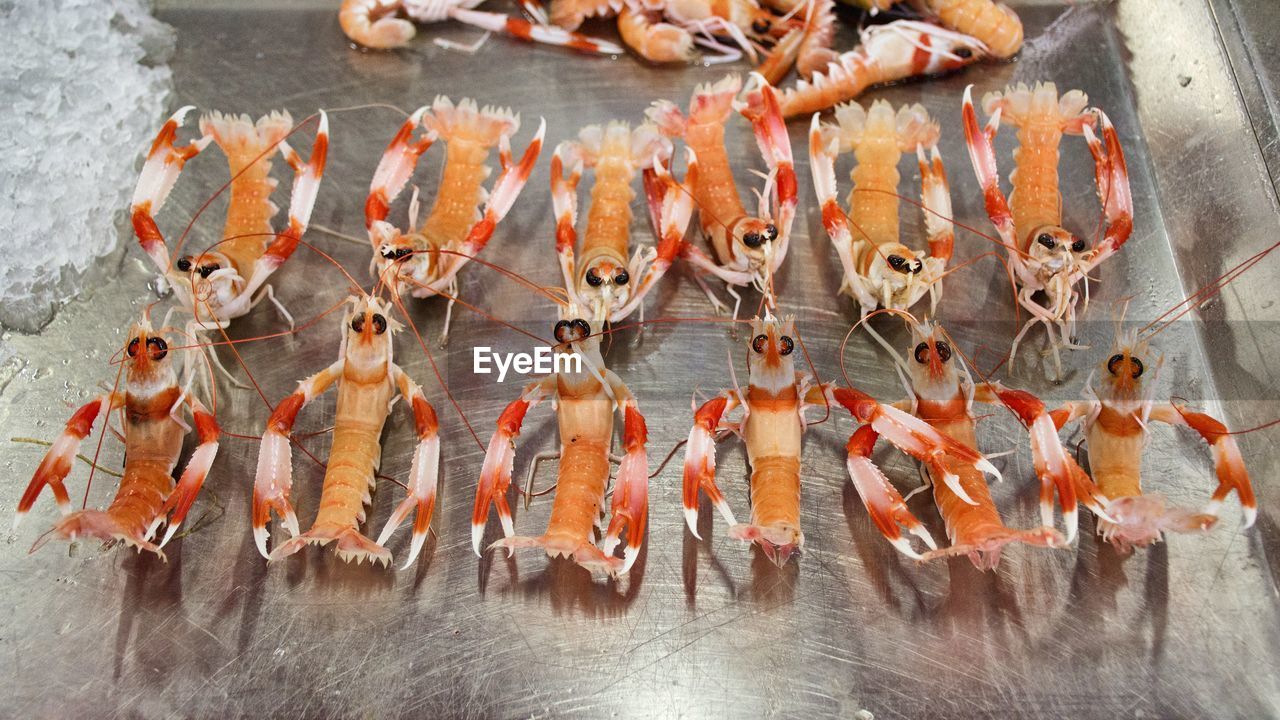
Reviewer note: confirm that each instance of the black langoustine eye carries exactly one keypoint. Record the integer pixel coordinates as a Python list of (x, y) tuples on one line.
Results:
[(1078, 245), (761, 26), (752, 239), (622, 278), (357, 322), (757, 343), (922, 353), (787, 345), (897, 262), (582, 326), (1114, 362), (593, 278), (1047, 241), (157, 348), (944, 350), (561, 331), (770, 232), (379, 324), (133, 347), (184, 263), (964, 53)]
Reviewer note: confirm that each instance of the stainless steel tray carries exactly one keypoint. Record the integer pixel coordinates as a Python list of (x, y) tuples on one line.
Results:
[(1186, 629)]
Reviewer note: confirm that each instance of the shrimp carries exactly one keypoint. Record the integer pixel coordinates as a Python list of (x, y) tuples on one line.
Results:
[(942, 394), (895, 51), (1045, 257), (880, 271), (771, 425), (748, 249), (367, 379), (425, 262), (228, 280), (599, 278), (378, 24), (586, 395), (1116, 418), (151, 406)]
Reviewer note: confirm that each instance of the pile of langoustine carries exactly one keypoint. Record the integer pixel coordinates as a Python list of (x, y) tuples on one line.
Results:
[(928, 37), (607, 277)]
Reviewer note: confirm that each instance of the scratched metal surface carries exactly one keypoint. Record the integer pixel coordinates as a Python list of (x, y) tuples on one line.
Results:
[(1187, 629)]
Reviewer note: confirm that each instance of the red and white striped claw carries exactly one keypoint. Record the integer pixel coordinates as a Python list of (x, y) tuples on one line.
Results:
[(1112, 177), (631, 494), (1055, 468), (424, 473), (983, 156), (504, 194), (700, 464), (396, 167), (1227, 462), (164, 163), (56, 465), (915, 437), (883, 501), (495, 474), (178, 504), (306, 184), (274, 479)]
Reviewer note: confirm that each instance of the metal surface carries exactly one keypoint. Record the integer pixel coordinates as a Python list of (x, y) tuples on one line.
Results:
[(1189, 628)]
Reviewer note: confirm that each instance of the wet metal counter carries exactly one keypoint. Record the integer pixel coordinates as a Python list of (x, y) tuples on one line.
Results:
[(1188, 628)]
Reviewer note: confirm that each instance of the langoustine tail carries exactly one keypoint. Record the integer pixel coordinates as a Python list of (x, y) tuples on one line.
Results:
[(101, 525), (585, 554), (985, 553), (1141, 520), (352, 546)]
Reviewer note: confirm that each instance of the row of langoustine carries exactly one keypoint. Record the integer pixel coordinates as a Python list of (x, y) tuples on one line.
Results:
[(936, 426)]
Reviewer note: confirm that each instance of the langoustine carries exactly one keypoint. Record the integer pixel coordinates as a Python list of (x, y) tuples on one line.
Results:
[(1116, 418), (748, 249), (602, 276), (367, 380), (943, 394), (667, 31), (423, 262), (1046, 258), (227, 280), (888, 53), (151, 416), (879, 270), (586, 396)]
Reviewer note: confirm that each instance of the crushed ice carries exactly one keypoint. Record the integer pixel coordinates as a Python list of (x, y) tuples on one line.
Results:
[(85, 84)]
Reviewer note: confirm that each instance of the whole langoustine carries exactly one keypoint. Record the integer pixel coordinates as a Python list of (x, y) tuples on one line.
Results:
[(225, 281), (602, 275), (942, 395), (423, 262), (586, 396), (367, 379), (879, 269), (1117, 419), (151, 406), (888, 53), (748, 249), (1047, 259)]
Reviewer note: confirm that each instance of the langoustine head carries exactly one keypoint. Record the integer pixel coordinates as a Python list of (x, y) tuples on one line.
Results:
[(770, 359), (210, 279), (366, 340), (148, 366)]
